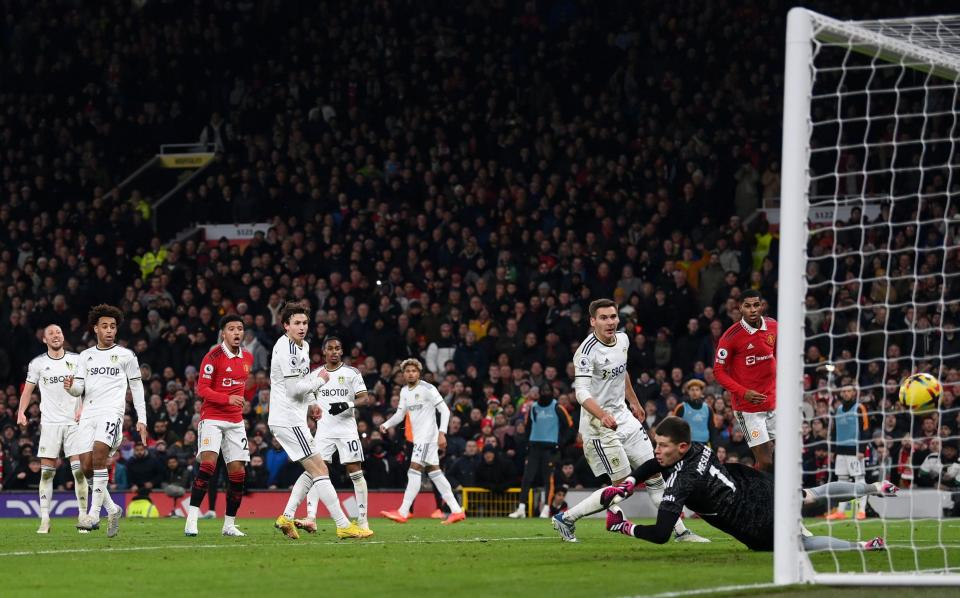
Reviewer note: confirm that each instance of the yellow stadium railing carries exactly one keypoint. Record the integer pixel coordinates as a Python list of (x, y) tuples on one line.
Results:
[(480, 502)]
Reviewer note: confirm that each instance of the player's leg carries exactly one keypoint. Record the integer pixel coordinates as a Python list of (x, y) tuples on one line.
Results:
[(601, 456), (213, 488), (834, 492), (298, 444), (758, 431), (326, 447), (51, 440), (106, 441), (210, 439), (236, 456), (535, 456), (355, 471), (72, 447), (817, 543), (440, 482), (414, 482), (101, 480)]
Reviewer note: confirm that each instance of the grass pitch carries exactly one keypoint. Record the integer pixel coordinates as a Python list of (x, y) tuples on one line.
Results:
[(498, 557)]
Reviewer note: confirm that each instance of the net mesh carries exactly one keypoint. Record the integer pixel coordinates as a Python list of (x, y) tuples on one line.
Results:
[(883, 287)]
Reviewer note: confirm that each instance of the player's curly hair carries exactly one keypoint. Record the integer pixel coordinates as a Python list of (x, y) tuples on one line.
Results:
[(292, 308), (104, 311), (411, 361)]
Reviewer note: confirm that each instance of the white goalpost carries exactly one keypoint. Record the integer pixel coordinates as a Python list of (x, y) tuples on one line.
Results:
[(868, 279)]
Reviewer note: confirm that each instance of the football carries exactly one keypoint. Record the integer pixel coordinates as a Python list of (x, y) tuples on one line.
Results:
[(919, 389)]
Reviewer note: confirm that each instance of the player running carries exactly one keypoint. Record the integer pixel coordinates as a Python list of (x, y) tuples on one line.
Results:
[(614, 440), (223, 377), (104, 372), (337, 430), (58, 424), (746, 366), (734, 498), (421, 401), (291, 392)]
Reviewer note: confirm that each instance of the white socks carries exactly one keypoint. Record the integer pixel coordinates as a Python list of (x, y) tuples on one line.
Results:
[(440, 482), (328, 496), (229, 521), (360, 491), (587, 506), (299, 491), (80, 486), (101, 478), (46, 490), (324, 491), (655, 491), (414, 480)]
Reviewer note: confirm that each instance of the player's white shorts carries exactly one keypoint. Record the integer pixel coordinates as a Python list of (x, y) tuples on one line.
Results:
[(759, 427), (619, 453), (107, 429), (848, 466), (349, 449), (295, 440), (229, 438), (53, 437), (425, 454)]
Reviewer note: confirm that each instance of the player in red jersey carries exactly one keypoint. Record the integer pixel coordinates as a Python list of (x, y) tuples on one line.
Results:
[(746, 365), (223, 376)]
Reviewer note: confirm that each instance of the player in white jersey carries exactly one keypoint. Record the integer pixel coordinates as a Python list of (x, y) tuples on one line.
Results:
[(337, 430), (614, 441), (292, 388), (419, 404), (104, 373), (58, 421)]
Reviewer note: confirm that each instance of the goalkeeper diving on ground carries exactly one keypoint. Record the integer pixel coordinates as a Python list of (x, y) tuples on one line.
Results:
[(733, 498)]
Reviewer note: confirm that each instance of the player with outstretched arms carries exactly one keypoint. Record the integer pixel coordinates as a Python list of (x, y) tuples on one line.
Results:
[(421, 401), (58, 424), (337, 430), (746, 366), (292, 388), (614, 440), (104, 372), (223, 377), (734, 498)]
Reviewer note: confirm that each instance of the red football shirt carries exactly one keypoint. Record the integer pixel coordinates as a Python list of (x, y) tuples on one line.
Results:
[(747, 360), (223, 374)]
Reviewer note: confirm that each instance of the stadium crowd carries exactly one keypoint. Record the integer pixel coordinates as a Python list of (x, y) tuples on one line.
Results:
[(452, 182)]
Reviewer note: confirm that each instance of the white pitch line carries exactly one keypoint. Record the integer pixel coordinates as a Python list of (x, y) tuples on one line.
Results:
[(702, 591), (308, 543)]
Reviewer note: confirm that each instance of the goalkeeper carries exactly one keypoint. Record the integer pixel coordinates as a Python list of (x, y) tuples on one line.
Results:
[(735, 499)]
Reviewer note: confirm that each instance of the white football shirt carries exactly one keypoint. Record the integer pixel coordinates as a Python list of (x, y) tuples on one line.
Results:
[(106, 375), (606, 366), (420, 403), (288, 364), (345, 384), (57, 406)]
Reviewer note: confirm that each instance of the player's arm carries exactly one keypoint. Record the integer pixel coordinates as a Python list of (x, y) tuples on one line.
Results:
[(25, 396), (308, 384), (865, 435), (660, 532), (635, 408), (441, 406), (396, 418), (583, 370), (725, 353), (208, 372), (136, 389), (361, 398), (74, 384)]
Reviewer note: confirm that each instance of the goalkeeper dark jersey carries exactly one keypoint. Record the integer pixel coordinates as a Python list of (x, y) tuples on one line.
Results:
[(732, 498)]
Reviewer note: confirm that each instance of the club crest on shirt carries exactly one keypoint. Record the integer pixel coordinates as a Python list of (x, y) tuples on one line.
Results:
[(114, 358), (339, 379), (771, 340), (71, 366)]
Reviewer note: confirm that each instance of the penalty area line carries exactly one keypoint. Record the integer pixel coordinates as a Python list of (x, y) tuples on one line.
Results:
[(714, 590)]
